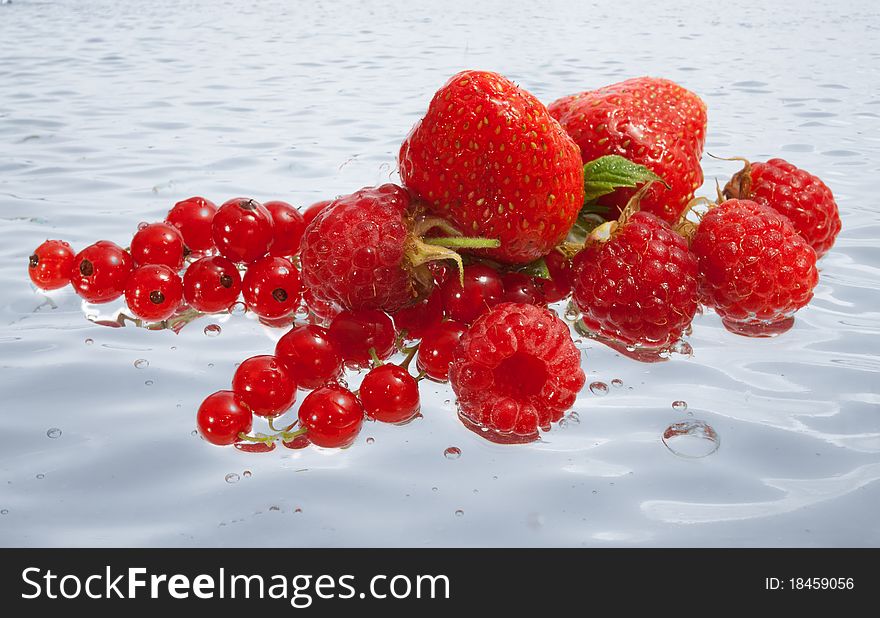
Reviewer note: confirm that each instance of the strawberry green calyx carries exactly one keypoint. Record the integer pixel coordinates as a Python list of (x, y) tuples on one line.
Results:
[(420, 250)]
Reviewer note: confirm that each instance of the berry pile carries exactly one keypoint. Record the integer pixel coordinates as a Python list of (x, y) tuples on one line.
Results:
[(507, 210)]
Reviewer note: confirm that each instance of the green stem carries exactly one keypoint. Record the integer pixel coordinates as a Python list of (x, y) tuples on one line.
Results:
[(463, 242), (410, 353), (377, 362)]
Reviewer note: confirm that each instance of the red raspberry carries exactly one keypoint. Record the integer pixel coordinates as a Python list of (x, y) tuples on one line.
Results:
[(49, 265), (211, 284), (153, 292), (158, 243), (638, 286), (271, 287), (803, 198), (516, 371), (193, 218), (287, 226), (754, 268), (242, 230), (100, 271)]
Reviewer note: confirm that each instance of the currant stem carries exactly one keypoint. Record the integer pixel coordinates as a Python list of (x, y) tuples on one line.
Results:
[(377, 362), (410, 354)]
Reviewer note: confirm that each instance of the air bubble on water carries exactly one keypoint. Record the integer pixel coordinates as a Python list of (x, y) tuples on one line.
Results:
[(4, 511), (297, 510), (571, 313), (149, 383), (370, 440), (212, 330), (274, 508), (210, 365), (41, 476), (453, 452), (574, 418), (232, 477), (459, 513), (446, 402), (683, 348), (599, 388), (54, 432), (680, 405), (89, 341), (238, 308), (142, 363), (194, 432), (616, 382), (691, 439), (142, 225), (247, 474), (433, 489)]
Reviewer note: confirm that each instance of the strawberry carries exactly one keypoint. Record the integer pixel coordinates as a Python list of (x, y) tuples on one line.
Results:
[(488, 157), (650, 121), (803, 198)]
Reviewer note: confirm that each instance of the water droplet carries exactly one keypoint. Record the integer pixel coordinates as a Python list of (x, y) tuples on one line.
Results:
[(571, 313), (54, 433), (691, 439), (433, 489), (274, 508), (679, 405), (212, 330), (599, 388), (616, 382), (459, 513), (41, 476), (149, 383), (683, 348), (247, 474), (210, 365), (232, 477), (446, 402), (342, 382), (89, 341), (574, 418), (495, 477), (476, 491), (142, 225), (238, 308), (142, 363), (301, 313), (4, 511), (194, 432), (370, 440), (453, 452), (297, 510)]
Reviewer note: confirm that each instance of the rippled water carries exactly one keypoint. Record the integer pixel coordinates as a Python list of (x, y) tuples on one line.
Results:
[(112, 111)]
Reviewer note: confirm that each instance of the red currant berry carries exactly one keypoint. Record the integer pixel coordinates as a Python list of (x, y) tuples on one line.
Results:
[(332, 415), (153, 292), (414, 320), (437, 348), (314, 210), (222, 416), (353, 333), (390, 394), (242, 230), (299, 442), (193, 218), (482, 290), (211, 284), (288, 226), (158, 243), (309, 356), (49, 265), (272, 287), (99, 272), (560, 283), (265, 385), (519, 288)]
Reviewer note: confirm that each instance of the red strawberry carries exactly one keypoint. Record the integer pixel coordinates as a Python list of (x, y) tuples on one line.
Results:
[(650, 121), (754, 268), (636, 282), (515, 371), (488, 157), (793, 192), (366, 251)]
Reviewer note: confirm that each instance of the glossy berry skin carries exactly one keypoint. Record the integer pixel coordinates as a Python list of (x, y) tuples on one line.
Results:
[(488, 157), (99, 272), (222, 416), (211, 284), (49, 265), (287, 228), (437, 348), (272, 287), (413, 321), (483, 288), (803, 198), (558, 287), (265, 385), (638, 287), (320, 308), (242, 230), (309, 355), (753, 266), (520, 288), (153, 292), (193, 217), (650, 121), (353, 333), (158, 243), (353, 253), (516, 370), (332, 415), (390, 394), (312, 211)]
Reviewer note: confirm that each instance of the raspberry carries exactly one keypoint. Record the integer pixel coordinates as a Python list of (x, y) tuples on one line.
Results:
[(638, 286), (516, 371), (49, 265), (754, 268), (803, 198)]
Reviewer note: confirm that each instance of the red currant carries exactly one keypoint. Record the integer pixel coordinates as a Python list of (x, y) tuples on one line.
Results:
[(222, 417), (332, 415), (211, 284), (265, 385), (153, 292), (482, 289), (49, 265), (416, 319), (519, 288), (437, 347), (288, 226), (390, 394), (309, 356), (242, 230), (272, 287), (99, 272), (158, 243), (314, 210), (193, 218), (560, 283), (353, 333)]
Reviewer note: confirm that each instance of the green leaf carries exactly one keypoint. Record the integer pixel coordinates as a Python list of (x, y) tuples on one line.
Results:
[(605, 174), (538, 268)]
